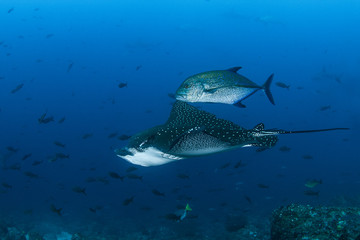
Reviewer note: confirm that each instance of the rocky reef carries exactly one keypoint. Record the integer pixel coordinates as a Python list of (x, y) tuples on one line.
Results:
[(293, 222), (300, 222), (11, 232)]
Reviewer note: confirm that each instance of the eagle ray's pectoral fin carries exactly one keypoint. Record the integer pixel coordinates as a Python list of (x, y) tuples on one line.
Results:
[(184, 135)]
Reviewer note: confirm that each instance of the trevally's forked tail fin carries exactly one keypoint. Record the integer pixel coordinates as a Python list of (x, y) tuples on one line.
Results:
[(266, 87), (259, 131)]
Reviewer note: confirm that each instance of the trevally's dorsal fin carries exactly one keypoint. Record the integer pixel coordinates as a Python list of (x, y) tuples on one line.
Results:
[(234, 69)]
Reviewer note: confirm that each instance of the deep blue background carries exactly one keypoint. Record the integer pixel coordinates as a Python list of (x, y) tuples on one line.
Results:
[(311, 46)]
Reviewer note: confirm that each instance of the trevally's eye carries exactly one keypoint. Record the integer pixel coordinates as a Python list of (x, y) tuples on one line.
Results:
[(186, 85)]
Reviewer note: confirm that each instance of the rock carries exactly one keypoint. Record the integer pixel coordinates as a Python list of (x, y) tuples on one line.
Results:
[(3, 230), (34, 236), (14, 234), (300, 222), (77, 236), (234, 223)]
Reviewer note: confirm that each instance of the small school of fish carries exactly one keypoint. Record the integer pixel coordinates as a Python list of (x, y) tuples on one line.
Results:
[(190, 132)]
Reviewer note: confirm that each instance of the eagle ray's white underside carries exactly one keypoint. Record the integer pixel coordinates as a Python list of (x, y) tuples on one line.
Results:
[(154, 157)]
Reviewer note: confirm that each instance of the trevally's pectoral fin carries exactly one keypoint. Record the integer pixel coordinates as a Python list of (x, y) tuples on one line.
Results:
[(214, 89)]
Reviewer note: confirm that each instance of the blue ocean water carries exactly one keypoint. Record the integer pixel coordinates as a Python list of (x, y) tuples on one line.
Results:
[(66, 59)]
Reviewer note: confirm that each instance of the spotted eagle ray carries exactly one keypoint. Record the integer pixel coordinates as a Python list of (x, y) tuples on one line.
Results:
[(190, 132)]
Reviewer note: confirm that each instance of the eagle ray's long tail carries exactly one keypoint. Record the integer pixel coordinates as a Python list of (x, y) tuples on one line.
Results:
[(280, 131), (259, 131)]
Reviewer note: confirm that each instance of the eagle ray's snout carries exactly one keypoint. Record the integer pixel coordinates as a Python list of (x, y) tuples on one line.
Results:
[(122, 152)]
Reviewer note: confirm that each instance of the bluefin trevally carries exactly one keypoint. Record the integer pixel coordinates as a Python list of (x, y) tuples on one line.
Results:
[(221, 86), (190, 132)]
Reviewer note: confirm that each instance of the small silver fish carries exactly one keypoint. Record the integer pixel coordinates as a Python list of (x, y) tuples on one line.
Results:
[(221, 86)]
